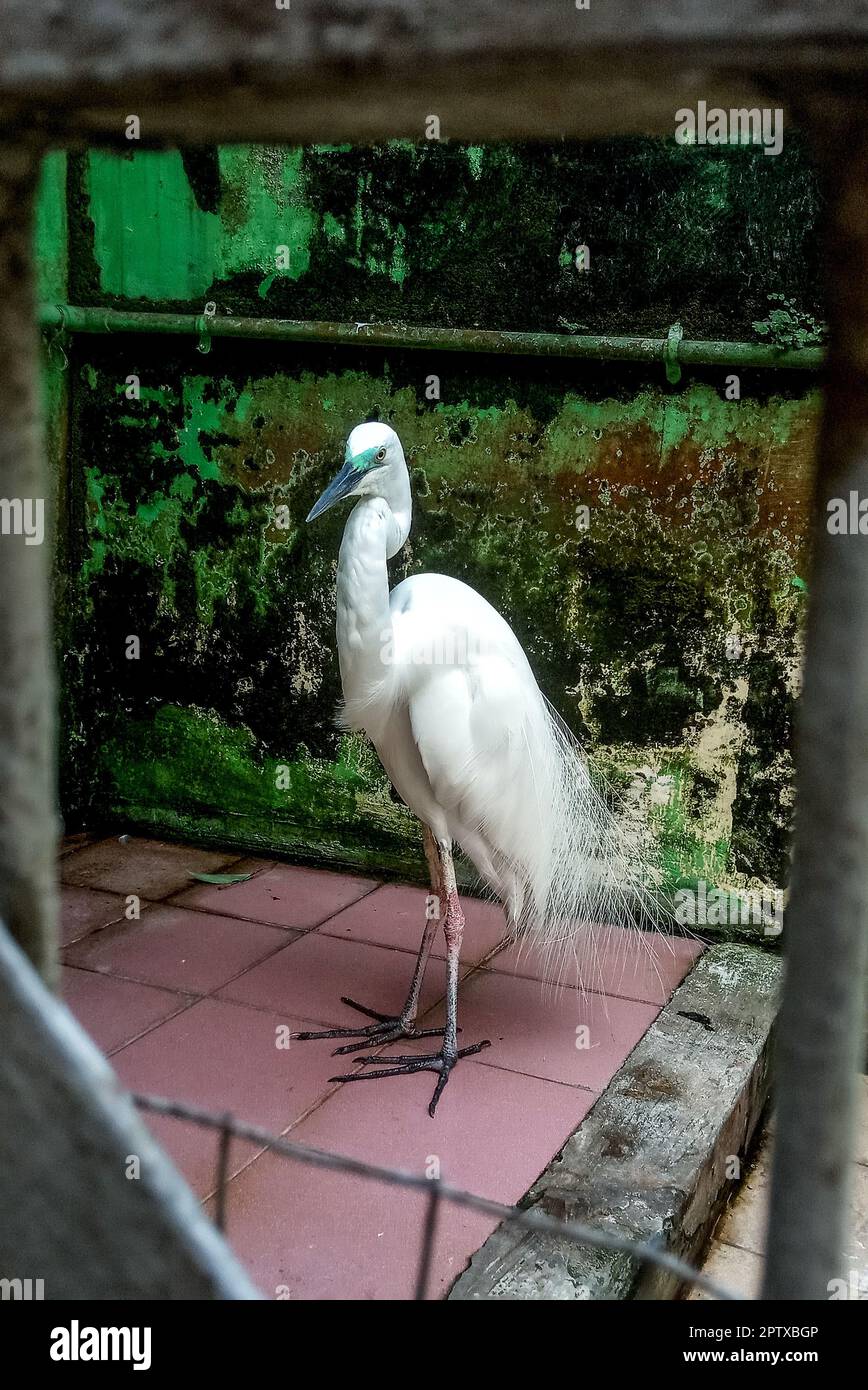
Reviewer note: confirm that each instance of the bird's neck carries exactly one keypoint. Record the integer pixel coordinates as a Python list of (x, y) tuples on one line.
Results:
[(373, 534)]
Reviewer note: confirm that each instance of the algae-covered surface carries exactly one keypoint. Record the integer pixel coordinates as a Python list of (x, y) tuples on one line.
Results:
[(646, 541)]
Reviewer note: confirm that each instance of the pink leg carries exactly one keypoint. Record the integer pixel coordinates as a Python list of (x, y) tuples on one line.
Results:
[(395, 1027), (443, 1061)]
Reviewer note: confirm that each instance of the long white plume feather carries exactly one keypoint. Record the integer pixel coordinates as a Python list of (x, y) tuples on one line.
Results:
[(572, 872)]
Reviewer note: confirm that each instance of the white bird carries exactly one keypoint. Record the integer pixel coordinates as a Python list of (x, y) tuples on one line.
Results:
[(440, 684)]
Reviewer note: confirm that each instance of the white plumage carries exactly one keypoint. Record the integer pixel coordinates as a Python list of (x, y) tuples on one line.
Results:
[(439, 682)]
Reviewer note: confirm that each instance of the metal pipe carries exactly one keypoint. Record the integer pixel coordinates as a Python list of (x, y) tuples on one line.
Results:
[(670, 350)]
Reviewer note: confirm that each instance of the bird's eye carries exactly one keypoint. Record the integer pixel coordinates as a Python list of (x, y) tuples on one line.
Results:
[(381, 454)]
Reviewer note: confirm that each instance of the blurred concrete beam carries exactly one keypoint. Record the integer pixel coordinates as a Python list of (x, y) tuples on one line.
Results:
[(821, 1025), (370, 69), (28, 817)]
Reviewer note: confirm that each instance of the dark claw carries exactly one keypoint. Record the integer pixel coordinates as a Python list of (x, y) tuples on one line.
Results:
[(369, 1013), (394, 1035), (385, 1059), (439, 1062), (387, 1028), (331, 1033)]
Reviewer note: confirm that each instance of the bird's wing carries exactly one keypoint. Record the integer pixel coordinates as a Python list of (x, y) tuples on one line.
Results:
[(471, 729), (472, 698), (441, 622)]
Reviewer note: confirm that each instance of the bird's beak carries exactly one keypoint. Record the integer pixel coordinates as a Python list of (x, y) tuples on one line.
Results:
[(339, 487)]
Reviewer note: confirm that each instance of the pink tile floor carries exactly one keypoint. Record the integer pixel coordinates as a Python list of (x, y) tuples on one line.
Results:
[(191, 1000)]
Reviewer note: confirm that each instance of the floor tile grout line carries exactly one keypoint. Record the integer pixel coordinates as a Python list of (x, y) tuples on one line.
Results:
[(216, 911), (173, 989), (185, 1008), (191, 999), (65, 850), (312, 1109), (197, 997), (144, 904), (147, 903), (315, 1106), (326, 1095), (594, 993), (209, 994), (209, 1196), (91, 931), (377, 886), (194, 996), (131, 980), (382, 883), (547, 1080), (310, 932), (482, 964), (306, 1019), (322, 1099), (97, 888), (242, 921), (383, 945), (294, 1013), (168, 901), (230, 916), (234, 917), (583, 989), (125, 892)]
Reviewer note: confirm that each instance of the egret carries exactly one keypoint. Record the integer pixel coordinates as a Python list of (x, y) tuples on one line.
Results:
[(439, 682)]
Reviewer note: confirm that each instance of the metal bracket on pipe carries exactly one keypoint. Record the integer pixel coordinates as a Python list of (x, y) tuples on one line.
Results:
[(670, 354), (204, 343), (56, 334)]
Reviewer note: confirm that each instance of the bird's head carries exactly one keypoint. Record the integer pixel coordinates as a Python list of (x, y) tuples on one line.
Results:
[(374, 466)]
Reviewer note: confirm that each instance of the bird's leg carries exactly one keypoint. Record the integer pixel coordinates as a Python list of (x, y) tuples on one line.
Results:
[(443, 1061), (393, 1027)]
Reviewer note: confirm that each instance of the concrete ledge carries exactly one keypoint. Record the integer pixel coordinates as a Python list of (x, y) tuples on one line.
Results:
[(662, 1149)]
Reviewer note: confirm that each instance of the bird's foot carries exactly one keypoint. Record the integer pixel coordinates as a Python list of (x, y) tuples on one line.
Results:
[(440, 1062), (386, 1028)]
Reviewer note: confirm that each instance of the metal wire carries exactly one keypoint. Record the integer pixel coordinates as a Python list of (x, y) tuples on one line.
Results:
[(426, 1252), (643, 1252), (222, 1170)]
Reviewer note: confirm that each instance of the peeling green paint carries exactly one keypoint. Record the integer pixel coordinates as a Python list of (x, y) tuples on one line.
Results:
[(146, 252), (165, 246), (270, 186), (702, 234)]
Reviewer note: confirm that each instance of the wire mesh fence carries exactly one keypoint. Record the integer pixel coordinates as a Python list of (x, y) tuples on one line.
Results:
[(822, 1021), (227, 1128)]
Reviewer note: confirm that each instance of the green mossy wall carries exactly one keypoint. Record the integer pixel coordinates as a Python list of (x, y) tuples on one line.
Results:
[(666, 632)]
